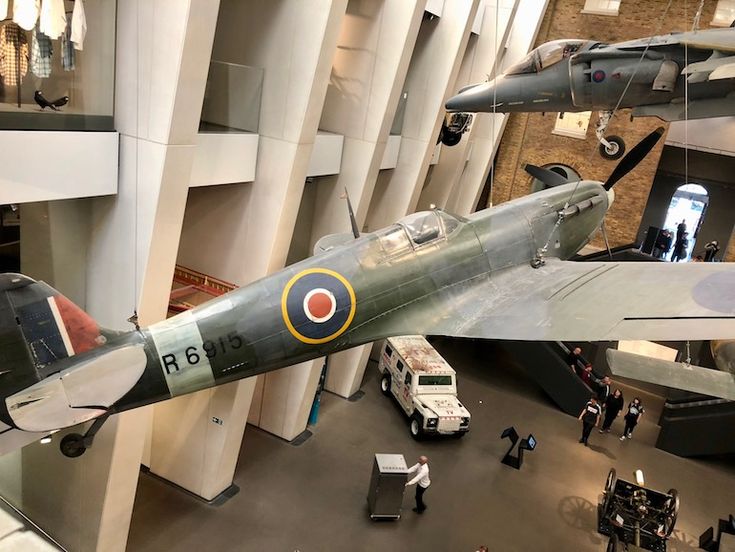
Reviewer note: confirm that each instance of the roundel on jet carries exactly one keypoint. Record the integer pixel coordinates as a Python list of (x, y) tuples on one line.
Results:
[(318, 305), (598, 76)]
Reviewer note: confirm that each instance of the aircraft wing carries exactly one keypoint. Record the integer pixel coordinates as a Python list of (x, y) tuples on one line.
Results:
[(584, 301), (672, 374)]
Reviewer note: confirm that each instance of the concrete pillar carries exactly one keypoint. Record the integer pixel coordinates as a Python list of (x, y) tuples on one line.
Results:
[(432, 71), (522, 20), (480, 58), (163, 51), (368, 72), (294, 43)]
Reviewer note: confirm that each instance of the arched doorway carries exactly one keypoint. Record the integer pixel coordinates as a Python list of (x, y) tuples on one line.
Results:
[(689, 203)]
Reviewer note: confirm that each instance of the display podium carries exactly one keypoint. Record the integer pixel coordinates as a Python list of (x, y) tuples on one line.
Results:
[(387, 484)]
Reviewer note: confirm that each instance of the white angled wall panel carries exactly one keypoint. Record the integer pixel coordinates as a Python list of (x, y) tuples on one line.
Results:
[(44, 166), (224, 159), (390, 156), (326, 157)]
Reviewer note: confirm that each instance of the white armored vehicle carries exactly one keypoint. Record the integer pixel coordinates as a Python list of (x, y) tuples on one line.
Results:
[(424, 385)]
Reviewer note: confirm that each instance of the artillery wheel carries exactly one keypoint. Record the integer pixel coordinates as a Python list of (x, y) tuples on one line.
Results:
[(612, 479), (385, 385), (671, 512), (72, 445), (614, 544), (616, 149)]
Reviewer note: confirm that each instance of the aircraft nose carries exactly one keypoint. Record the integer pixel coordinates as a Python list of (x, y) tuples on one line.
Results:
[(473, 99)]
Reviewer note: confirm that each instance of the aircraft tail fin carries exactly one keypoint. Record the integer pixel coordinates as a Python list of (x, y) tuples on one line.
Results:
[(49, 325), (672, 374)]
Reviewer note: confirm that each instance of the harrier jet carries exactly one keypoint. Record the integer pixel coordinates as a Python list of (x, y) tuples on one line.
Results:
[(500, 273), (653, 76)]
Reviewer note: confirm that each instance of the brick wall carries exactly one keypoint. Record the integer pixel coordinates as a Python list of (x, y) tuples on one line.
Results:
[(528, 137)]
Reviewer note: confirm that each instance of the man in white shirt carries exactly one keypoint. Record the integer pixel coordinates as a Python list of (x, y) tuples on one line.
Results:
[(422, 478)]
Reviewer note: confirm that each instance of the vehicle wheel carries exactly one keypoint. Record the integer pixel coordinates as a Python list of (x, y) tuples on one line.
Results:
[(671, 511), (385, 385), (616, 149), (416, 427), (72, 445), (451, 138), (460, 434)]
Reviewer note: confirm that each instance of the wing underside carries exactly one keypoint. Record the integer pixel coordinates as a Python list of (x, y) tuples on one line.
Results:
[(672, 374), (565, 300)]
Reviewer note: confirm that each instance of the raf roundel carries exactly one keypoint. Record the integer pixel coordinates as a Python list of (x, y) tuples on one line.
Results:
[(318, 305), (598, 76)]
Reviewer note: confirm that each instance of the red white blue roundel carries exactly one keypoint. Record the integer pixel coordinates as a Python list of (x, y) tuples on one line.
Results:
[(317, 305), (598, 76)]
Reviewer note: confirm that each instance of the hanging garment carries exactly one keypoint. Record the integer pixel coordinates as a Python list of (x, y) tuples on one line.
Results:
[(41, 51), (25, 13), (67, 50), (53, 18), (13, 49), (78, 25), (3, 9)]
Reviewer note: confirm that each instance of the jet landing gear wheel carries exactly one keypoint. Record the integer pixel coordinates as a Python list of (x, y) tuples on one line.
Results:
[(614, 149), (72, 445), (450, 139), (385, 385)]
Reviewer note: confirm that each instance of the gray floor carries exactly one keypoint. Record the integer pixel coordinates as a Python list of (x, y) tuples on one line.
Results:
[(312, 497)]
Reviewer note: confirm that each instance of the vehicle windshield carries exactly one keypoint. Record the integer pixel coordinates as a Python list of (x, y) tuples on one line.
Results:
[(545, 56), (435, 380)]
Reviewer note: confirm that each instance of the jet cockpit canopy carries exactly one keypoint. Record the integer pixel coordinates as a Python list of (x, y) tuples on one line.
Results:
[(545, 56)]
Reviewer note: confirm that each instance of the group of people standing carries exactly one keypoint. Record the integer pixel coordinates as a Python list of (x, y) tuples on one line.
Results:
[(610, 410), (605, 404), (665, 240)]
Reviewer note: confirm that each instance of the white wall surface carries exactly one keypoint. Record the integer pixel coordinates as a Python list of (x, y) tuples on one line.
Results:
[(43, 166), (326, 155), (224, 159)]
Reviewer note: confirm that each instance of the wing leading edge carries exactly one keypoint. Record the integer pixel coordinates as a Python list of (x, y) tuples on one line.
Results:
[(570, 301)]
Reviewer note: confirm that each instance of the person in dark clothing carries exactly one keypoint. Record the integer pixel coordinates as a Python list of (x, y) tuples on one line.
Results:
[(635, 411), (710, 250), (587, 375), (603, 390), (573, 359), (613, 405), (680, 248), (668, 240), (590, 417), (681, 229)]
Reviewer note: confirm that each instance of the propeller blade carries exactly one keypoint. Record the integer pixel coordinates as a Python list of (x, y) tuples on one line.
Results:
[(634, 156), (548, 177)]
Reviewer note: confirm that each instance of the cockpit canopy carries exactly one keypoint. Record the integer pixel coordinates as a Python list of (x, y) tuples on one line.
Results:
[(545, 56), (427, 226)]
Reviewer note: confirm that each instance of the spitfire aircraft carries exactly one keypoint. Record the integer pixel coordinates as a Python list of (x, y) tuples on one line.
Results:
[(651, 75), (500, 273)]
